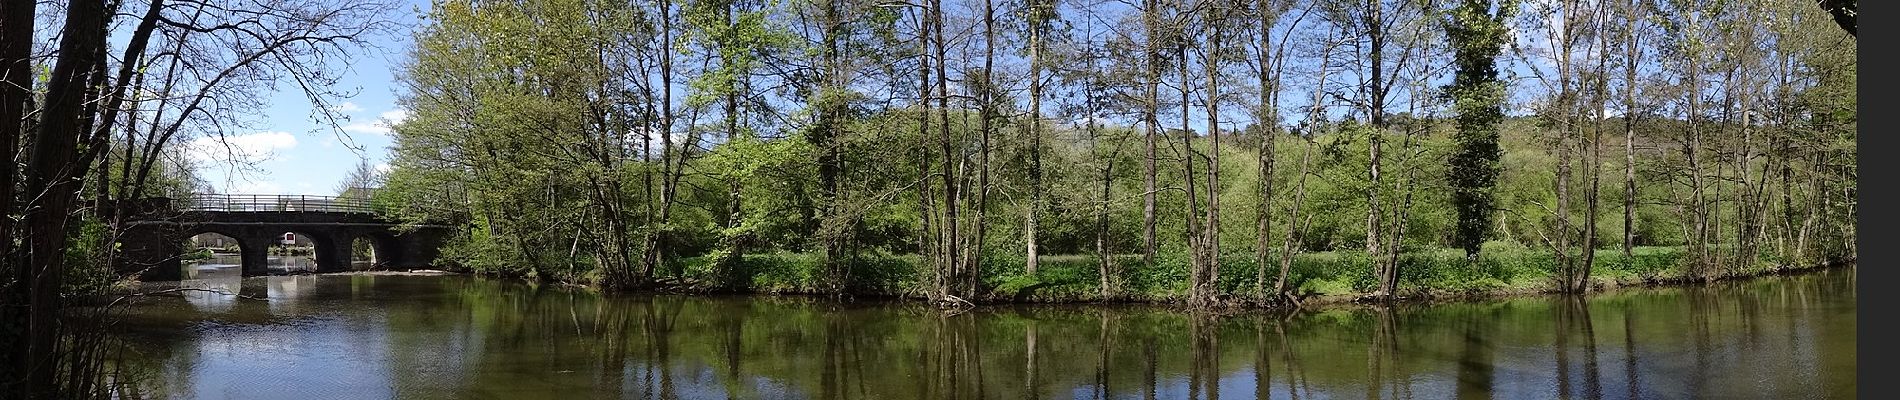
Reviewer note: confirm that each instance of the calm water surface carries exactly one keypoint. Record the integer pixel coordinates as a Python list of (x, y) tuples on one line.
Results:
[(429, 337)]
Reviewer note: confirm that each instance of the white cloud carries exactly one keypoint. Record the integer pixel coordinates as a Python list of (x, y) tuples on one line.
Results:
[(381, 125), (347, 107), (395, 116), (369, 128), (382, 168), (245, 148)]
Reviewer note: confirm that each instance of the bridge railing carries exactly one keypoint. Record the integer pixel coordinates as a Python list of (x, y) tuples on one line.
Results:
[(273, 203)]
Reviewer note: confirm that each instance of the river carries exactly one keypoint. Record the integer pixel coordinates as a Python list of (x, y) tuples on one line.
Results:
[(463, 337)]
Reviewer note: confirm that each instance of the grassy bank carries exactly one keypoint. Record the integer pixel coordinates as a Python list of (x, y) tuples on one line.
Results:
[(1318, 277)]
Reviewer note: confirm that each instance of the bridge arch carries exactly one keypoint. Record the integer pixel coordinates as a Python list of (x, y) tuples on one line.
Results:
[(318, 243), (377, 249), (220, 242), (256, 244), (156, 230)]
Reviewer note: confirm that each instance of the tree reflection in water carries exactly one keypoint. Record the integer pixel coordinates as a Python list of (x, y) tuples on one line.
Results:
[(462, 337)]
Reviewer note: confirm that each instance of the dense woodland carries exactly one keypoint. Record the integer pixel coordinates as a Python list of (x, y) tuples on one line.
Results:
[(957, 150), (1210, 152)]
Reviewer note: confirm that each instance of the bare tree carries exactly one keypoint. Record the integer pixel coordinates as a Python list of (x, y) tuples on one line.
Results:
[(359, 179), (213, 64)]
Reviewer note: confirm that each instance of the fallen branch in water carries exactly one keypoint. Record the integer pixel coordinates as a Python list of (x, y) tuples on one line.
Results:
[(122, 298), (956, 305)]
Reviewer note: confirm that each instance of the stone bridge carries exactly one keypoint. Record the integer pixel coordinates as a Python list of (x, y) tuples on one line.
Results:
[(152, 242)]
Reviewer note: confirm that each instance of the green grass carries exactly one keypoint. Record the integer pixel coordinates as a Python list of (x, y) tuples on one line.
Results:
[(1061, 278)]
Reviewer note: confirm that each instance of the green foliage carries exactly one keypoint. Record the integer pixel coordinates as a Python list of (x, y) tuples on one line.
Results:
[(87, 271), (1503, 267), (199, 254), (804, 273), (1477, 36), (546, 142)]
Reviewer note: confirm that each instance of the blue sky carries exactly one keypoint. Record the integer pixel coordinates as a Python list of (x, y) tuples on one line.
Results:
[(299, 155)]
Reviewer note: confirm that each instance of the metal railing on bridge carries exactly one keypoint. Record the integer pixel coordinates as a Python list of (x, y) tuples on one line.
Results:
[(273, 203)]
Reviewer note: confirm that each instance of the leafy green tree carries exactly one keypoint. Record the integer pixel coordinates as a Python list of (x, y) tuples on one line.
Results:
[(1477, 31)]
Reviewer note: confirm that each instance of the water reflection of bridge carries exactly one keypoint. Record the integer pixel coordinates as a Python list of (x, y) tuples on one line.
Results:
[(153, 238), (227, 265)]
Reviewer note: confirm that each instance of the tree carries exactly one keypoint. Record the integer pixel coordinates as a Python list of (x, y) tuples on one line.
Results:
[(1563, 112), (1041, 14), (736, 32), (1205, 239), (65, 137), (360, 178), (1296, 226), (1151, 80), (1271, 62), (1376, 32), (1844, 12), (672, 167), (50, 187), (1632, 57), (795, 137), (1477, 35), (950, 248)]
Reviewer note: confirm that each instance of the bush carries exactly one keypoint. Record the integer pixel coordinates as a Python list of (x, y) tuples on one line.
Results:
[(872, 273), (86, 251)]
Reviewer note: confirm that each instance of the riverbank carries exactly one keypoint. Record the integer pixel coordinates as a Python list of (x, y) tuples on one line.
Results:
[(1321, 278)]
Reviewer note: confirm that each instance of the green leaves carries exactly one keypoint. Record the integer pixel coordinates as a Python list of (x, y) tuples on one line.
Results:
[(1477, 36), (536, 117)]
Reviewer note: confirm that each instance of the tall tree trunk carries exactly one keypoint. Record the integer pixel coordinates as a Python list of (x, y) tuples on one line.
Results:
[(1151, 20), (1199, 281), (1599, 93), (1295, 228), (16, 82), (1746, 214), (1565, 108), (649, 216), (1374, 21), (1104, 264), (615, 250), (1036, 18), (656, 236), (1263, 220), (1209, 284), (1785, 155), (1105, 270), (1405, 214), (735, 194), (831, 127), (950, 205), (931, 241), (1632, 57), (987, 113), (52, 183), (1692, 147), (99, 142), (1267, 122), (1562, 107)]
